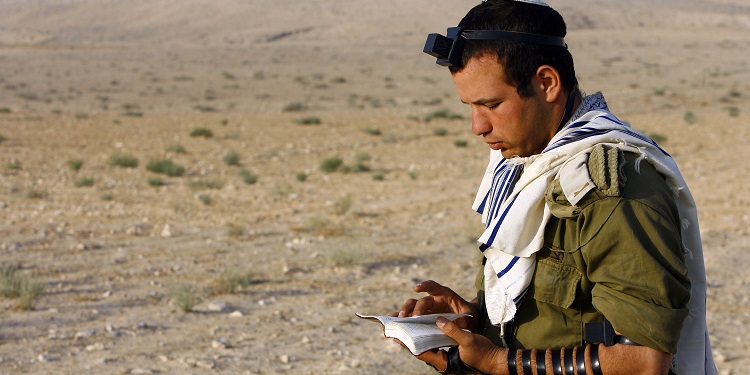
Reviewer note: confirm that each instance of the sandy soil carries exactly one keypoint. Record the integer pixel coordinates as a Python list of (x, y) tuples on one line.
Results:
[(85, 80)]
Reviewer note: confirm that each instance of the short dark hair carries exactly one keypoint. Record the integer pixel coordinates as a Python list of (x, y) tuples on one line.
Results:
[(520, 60)]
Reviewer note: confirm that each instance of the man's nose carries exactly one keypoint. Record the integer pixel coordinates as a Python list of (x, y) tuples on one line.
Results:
[(479, 123)]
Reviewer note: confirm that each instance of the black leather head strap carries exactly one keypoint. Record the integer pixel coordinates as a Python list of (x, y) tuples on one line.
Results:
[(449, 49)]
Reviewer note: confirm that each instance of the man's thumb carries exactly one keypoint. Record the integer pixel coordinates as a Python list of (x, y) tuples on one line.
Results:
[(452, 330)]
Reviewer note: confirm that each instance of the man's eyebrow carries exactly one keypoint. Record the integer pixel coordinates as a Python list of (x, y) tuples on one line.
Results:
[(482, 101)]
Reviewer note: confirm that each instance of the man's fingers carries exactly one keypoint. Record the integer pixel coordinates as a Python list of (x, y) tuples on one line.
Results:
[(424, 306), (430, 287), (434, 289), (407, 308)]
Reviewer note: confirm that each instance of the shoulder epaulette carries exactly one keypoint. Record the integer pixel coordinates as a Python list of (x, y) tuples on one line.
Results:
[(606, 169)]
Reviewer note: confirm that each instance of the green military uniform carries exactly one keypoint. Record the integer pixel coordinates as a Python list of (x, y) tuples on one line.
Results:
[(616, 254)]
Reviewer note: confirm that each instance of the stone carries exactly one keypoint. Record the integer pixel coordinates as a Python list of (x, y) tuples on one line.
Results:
[(46, 358), (217, 306), (166, 232), (220, 343)]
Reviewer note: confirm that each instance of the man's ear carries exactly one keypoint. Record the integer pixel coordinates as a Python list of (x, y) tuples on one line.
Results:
[(548, 82)]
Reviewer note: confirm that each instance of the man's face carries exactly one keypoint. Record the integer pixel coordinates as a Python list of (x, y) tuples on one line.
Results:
[(515, 125)]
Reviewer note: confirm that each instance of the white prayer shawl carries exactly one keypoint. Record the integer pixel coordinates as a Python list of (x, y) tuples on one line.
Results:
[(511, 201)]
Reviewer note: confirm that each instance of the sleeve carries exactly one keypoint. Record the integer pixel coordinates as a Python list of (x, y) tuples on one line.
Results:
[(634, 257)]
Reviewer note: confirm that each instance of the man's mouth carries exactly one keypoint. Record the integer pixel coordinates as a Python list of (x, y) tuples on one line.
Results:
[(495, 145)]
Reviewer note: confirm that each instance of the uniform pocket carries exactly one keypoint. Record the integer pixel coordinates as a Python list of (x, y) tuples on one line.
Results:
[(555, 283)]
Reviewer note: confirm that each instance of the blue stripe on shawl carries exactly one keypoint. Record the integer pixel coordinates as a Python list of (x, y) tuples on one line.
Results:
[(500, 220), (507, 268), (520, 295)]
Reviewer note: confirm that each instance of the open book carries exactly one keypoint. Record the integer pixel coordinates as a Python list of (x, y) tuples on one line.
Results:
[(418, 333)]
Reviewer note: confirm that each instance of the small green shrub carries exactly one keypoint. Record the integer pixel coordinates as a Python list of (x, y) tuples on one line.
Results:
[(249, 177), (233, 280), (360, 164), (440, 132), (460, 143), (84, 182), (2, 138), (205, 108), (331, 164), (184, 297), (301, 176), (342, 205), (165, 167), (234, 230), (123, 160), (156, 182), (206, 199), (295, 107), (280, 189), (733, 111), (345, 255), (231, 158), (5, 110), (690, 117), (373, 131), (202, 132), (205, 184), (380, 176), (10, 282), (14, 165), (75, 164), (30, 293), (32, 192), (443, 114), (390, 138), (15, 285), (176, 148), (320, 226), (312, 120)]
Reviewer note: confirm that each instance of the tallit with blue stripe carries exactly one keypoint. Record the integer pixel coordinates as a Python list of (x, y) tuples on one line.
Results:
[(511, 201)]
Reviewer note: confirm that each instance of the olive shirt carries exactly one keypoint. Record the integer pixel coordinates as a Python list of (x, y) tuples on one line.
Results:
[(616, 254)]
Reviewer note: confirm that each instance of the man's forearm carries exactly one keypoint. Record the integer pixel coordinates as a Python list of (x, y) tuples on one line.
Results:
[(594, 359)]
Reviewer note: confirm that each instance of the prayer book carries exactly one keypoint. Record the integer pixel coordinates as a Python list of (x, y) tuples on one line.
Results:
[(418, 333)]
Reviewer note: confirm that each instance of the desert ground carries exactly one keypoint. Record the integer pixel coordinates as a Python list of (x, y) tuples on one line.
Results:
[(327, 166)]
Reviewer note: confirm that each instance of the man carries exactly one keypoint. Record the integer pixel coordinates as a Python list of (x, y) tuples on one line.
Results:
[(592, 262)]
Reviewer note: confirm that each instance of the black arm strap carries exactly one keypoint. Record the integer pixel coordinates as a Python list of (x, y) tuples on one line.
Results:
[(557, 362), (581, 360), (604, 333), (526, 361), (569, 365), (512, 368), (596, 367)]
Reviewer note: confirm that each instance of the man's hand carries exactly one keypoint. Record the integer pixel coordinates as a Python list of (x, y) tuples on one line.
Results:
[(475, 350), (440, 299)]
